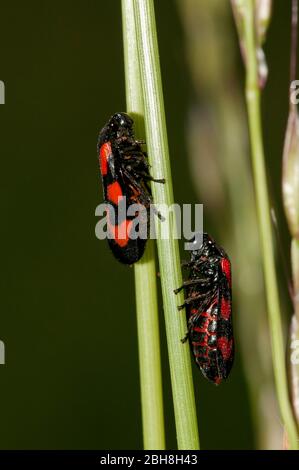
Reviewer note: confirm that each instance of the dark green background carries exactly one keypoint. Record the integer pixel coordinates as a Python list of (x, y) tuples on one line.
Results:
[(67, 307)]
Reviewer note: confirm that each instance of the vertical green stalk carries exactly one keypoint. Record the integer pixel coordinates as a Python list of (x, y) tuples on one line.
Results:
[(263, 209), (145, 270), (230, 186), (168, 250)]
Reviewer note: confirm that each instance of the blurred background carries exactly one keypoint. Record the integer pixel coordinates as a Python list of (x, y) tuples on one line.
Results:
[(71, 377)]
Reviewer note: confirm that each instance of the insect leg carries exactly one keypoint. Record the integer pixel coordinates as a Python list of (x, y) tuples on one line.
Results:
[(187, 335), (192, 282), (150, 178), (134, 182), (183, 340), (189, 300), (187, 264)]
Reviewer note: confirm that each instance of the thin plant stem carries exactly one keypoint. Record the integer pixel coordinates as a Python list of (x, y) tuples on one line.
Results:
[(145, 269), (168, 249), (263, 209)]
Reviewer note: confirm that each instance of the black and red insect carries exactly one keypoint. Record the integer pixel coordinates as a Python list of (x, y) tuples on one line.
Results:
[(208, 302), (125, 174)]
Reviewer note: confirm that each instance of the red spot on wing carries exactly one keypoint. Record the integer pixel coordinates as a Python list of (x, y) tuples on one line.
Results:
[(225, 346), (114, 192), (225, 266), (120, 233), (225, 308), (105, 152)]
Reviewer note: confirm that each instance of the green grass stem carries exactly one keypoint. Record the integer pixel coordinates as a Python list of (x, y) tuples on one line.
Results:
[(253, 97), (145, 269), (168, 249)]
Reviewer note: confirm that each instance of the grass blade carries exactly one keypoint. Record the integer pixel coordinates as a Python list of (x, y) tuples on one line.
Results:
[(168, 250), (145, 269)]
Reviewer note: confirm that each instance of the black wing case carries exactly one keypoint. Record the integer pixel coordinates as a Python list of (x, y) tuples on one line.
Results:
[(120, 193)]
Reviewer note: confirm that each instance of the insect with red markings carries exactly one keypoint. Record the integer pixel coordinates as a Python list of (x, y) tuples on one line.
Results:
[(125, 174), (208, 305)]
